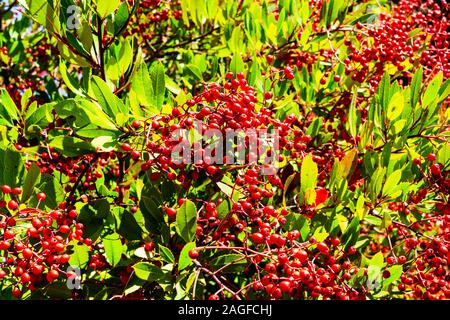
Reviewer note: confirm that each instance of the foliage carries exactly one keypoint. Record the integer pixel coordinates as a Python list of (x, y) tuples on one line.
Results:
[(356, 205)]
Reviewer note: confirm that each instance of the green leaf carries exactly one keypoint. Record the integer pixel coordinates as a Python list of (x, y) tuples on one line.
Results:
[(8, 109), (444, 91), (109, 102), (396, 272), (12, 166), (194, 71), (32, 176), (113, 248), (87, 115), (80, 256), (148, 272), (120, 57), (166, 254), (391, 184), (377, 260), (431, 93), (172, 86), (43, 13), (226, 186), (351, 234), (376, 182), (223, 208), (236, 261), (443, 155), (129, 227), (52, 188), (184, 260), (71, 83), (151, 212), (157, 74), (237, 65), (106, 7), (387, 220), (416, 84), (40, 116), (120, 18), (353, 115), (187, 220), (70, 146), (308, 179), (384, 90), (395, 106), (142, 86)]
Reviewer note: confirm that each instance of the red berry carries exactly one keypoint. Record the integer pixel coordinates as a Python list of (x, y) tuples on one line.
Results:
[(257, 237), (25, 277), (322, 247), (41, 196), (64, 229), (285, 286), (212, 170), (59, 247), (135, 154), (17, 191), (52, 275), (171, 212), (193, 254), (4, 245), (36, 223), (417, 161), (435, 169), (13, 205), (269, 210), (126, 147), (6, 189), (431, 157), (401, 259), (149, 246), (155, 125), (176, 112), (136, 124), (337, 78), (268, 95), (27, 253), (335, 241), (73, 214), (16, 292)]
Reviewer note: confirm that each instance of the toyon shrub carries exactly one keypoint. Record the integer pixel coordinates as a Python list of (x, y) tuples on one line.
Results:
[(210, 149)]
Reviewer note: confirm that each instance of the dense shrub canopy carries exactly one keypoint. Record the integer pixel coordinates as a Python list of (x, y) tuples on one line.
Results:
[(346, 197)]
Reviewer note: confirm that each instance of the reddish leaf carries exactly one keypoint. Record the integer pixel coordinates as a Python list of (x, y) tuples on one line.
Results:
[(321, 195)]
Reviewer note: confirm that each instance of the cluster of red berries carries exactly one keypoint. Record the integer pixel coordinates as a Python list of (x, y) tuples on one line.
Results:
[(89, 167), (233, 106), (30, 73), (432, 16), (34, 242), (151, 14)]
